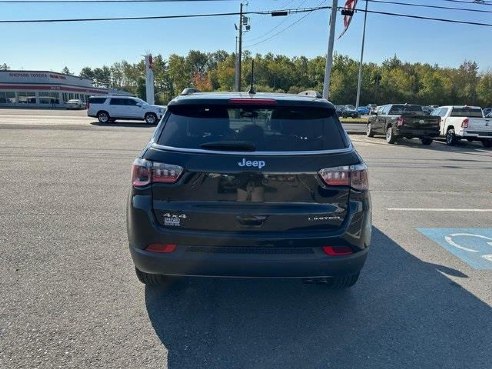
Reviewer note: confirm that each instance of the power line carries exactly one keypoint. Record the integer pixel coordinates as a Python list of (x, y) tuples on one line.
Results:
[(428, 18), (98, 1), (429, 6), (276, 27), (285, 29), (488, 3), (289, 11)]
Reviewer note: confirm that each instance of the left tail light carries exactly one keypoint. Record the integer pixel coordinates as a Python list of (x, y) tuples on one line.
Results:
[(465, 122), (354, 176), (145, 172)]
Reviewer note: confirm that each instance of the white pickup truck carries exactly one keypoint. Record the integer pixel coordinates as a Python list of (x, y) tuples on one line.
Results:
[(468, 122)]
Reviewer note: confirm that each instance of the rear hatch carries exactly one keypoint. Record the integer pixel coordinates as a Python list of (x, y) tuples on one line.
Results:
[(413, 117), (252, 165), (424, 122), (473, 119)]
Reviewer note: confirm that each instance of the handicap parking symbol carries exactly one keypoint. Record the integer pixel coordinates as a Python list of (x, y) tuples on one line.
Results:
[(471, 245)]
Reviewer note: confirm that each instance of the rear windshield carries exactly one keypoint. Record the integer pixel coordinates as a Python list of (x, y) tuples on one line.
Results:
[(467, 112), (401, 109), (97, 100), (217, 127)]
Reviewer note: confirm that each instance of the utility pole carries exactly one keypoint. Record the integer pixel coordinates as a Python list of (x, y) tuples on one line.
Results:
[(240, 50), (359, 83), (329, 55)]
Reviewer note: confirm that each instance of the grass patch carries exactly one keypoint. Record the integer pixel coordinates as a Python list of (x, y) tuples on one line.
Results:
[(353, 120)]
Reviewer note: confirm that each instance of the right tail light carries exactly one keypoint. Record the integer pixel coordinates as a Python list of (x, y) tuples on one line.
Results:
[(354, 176)]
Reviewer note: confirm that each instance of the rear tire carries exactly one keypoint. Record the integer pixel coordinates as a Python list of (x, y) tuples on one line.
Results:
[(103, 117), (426, 141), (390, 136), (369, 131), (151, 279), (150, 118), (451, 137), (487, 143)]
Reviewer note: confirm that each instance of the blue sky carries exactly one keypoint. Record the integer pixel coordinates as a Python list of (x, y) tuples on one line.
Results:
[(75, 45)]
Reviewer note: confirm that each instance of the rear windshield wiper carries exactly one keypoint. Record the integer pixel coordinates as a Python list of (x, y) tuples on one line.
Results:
[(229, 146)]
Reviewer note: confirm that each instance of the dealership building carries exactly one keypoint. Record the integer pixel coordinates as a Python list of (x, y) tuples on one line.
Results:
[(38, 89)]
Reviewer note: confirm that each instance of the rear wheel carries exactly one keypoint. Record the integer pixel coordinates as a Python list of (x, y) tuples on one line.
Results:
[(451, 137), (150, 118), (152, 279), (487, 143), (390, 136), (426, 140), (369, 131), (103, 117)]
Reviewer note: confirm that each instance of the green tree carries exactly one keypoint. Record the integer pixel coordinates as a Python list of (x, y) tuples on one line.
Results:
[(465, 83), (87, 72), (484, 89), (178, 72)]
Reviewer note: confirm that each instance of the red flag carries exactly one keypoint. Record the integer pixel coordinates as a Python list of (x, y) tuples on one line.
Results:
[(349, 7)]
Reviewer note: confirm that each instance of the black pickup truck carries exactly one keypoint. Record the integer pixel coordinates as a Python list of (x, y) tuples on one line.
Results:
[(403, 120)]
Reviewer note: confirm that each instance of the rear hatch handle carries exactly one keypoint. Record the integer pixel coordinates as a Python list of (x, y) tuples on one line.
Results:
[(251, 220)]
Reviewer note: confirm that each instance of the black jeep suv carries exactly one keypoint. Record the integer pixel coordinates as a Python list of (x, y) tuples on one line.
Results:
[(243, 185)]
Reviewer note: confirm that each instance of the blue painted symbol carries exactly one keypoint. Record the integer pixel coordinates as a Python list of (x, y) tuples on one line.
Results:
[(471, 245)]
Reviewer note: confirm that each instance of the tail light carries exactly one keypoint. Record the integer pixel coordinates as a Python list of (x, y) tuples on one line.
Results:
[(400, 121), (465, 122), (337, 250), (145, 172), (354, 176), (161, 248)]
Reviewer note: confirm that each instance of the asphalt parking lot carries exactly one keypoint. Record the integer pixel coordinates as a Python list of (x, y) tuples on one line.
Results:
[(70, 298)]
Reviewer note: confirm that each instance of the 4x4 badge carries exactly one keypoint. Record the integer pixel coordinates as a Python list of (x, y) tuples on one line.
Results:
[(255, 163)]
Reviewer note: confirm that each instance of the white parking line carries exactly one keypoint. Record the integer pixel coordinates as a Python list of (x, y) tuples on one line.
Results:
[(443, 210)]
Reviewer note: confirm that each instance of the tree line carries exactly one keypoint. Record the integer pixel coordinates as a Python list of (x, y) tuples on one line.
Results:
[(392, 81)]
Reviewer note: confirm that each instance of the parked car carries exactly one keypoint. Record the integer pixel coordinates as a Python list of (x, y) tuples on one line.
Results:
[(464, 122), (372, 108), (427, 109), (75, 104), (403, 120), (339, 109), (108, 109), (350, 111), (363, 110), (264, 185)]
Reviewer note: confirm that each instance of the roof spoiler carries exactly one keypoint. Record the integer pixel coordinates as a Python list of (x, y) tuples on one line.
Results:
[(189, 91), (310, 93)]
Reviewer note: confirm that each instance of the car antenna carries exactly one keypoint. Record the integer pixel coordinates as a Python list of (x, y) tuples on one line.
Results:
[(252, 86)]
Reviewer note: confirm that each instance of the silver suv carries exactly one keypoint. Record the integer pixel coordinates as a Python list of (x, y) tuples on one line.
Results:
[(107, 109)]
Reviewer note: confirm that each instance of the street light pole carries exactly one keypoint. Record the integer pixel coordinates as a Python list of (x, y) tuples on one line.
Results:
[(329, 55), (359, 83), (240, 51)]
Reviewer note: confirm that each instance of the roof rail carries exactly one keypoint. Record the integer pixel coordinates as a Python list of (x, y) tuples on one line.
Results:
[(310, 93), (189, 91)]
